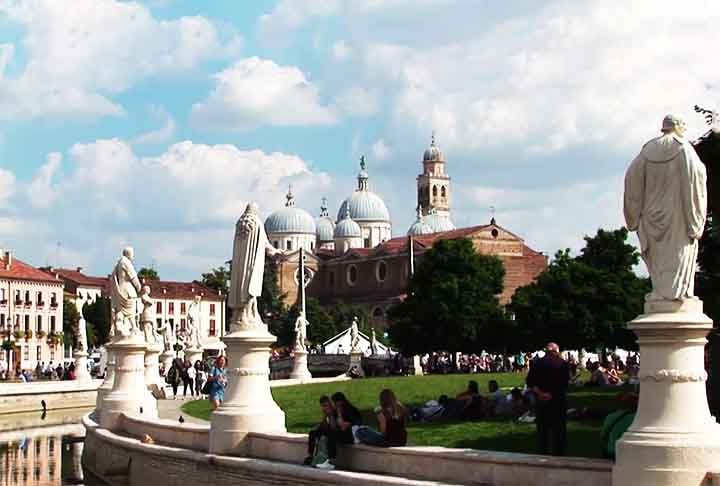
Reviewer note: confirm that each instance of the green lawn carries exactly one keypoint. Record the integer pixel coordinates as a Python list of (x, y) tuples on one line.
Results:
[(300, 404)]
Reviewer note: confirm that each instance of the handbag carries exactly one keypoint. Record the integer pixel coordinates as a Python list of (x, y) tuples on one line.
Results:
[(205, 388)]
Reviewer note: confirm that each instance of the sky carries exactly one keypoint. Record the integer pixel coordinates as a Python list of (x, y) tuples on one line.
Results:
[(153, 123)]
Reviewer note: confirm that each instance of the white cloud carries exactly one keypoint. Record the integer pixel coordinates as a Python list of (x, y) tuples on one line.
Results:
[(41, 191), (358, 101), (7, 51), (289, 15), (255, 92), (81, 55), (159, 135), (341, 50), (7, 186), (380, 150)]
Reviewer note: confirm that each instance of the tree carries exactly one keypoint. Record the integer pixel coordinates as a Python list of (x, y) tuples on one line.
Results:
[(321, 326), (97, 315), (71, 318), (584, 301), (148, 274), (217, 279), (270, 303), (452, 301)]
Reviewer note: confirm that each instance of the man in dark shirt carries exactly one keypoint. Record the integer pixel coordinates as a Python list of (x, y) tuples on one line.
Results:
[(348, 417), (548, 379)]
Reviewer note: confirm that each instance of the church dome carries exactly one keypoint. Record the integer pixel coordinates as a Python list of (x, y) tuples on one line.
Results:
[(347, 228), (420, 227), (290, 219), (325, 225), (438, 222), (432, 153), (363, 204)]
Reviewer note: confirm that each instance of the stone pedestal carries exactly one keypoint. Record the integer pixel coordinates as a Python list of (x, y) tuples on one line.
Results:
[(417, 366), (356, 360), (300, 369), (193, 354), (108, 381), (129, 393), (152, 371), (248, 405), (673, 439), (81, 370), (166, 358)]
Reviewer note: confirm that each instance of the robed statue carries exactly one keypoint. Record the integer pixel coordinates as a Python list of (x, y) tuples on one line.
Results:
[(193, 328), (248, 265), (666, 203), (124, 289)]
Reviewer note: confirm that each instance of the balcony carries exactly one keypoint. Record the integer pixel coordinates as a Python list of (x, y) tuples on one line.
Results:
[(28, 304), (18, 302), (53, 304), (41, 304), (3, 302)]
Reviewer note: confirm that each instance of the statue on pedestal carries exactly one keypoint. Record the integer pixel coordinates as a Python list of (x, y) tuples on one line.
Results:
[(147, 317), (248, 265), (354, 336), (373, 343), (301, 332), (666, 203), (124, 288), (193, 329), (82, 342), (168, 339)]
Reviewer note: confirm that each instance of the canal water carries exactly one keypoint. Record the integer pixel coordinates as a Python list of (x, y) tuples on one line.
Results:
[(42, 449)]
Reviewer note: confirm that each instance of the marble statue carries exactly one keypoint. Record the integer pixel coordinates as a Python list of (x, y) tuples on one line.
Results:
[(354, 336), (124, 288), (168, 340), (301, 332), (666, 203), (147, 317), (249, 248), (373, 343), (193, 329), (82, 341)]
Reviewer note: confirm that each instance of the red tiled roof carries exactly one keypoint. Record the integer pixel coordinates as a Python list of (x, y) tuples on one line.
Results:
[(79, 278), (181, 290), (20, 270)]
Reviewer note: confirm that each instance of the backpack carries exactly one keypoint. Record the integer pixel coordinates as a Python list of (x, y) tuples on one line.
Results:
[(171, 376)]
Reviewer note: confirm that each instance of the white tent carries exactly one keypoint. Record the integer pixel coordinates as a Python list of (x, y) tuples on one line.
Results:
[(340, 344)]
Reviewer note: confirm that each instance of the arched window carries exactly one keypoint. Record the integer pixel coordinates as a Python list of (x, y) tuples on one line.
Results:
[(288, 245), (352, 275), (434, 191), (443, 192), (381, 271)]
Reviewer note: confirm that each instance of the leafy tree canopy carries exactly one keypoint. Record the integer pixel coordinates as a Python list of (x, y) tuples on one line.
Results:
[(71, 317), (217, 279), (97, 316), (148, 274)]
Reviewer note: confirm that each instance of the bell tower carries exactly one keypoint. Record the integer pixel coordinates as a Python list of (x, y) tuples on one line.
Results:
[(433, 185)]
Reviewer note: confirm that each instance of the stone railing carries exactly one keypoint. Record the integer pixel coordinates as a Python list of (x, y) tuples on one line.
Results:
[(169, 432), (57, 395)]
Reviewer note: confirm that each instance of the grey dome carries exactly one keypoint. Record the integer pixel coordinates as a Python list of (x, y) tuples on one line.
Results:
[(347, 228), (432, 153), (419, 227), (325, 229), (365, 206), (290, 219), (438, 222)]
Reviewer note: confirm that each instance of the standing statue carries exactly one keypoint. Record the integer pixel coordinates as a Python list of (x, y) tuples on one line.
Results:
[(147, 317), (168, 339), (124, 288), (193, 330), (666, 203), (354, 336), (301, 332), (373, 343), (82, 342), (248, 264)]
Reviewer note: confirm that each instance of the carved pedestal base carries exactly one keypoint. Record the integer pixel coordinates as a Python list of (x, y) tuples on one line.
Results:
[(108, 381), (673, 439), (81, 370), (193, 354), (300, 368), (248, 405), (153, 382), (129, 393), (356, 362)]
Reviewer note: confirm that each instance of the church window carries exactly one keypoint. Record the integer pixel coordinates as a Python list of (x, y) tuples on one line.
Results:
[(443, 192), (288, 245), (494, 233), (276, 244), (381, 271), (434, 192), (352, 275), (366, 242)]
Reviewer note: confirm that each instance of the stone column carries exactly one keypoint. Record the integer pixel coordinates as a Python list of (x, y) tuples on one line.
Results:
[(108, 381), (300, 368), (356, 360), (248, 405), (673, 439), (129, 393), (152, 370), (81, 371)]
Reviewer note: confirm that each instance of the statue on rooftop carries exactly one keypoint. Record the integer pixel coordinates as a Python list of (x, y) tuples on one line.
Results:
[(666, 203)]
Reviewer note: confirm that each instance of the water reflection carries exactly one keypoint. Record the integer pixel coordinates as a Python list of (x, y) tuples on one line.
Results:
[(41, 456)]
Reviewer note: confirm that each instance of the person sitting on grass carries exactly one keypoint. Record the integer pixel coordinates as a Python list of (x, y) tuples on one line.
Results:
[(392, 418), (322, 440), (472, 391), (515, 406), (613, 377), (618, 422), (496, 394)]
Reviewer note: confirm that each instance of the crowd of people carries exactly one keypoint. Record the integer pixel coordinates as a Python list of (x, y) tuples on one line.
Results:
[(192, 377), (42, 371)]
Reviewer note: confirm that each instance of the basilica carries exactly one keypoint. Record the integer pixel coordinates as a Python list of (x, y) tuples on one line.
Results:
[(354, 257)]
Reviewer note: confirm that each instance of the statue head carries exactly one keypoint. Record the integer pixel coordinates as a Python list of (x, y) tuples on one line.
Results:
[(128, 252), (198, 298), (673, 124), (146, 290)]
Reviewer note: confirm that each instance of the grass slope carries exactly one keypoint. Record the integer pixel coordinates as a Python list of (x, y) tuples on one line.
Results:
[(300, 404)]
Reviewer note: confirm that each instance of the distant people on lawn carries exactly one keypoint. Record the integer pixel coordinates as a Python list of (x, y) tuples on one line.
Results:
[(548, 379), (216, 383)]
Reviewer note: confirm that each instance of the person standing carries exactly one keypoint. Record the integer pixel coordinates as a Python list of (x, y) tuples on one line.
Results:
[(218, 382), (200, 377), (189, 379), (548, 379), (173, 376)]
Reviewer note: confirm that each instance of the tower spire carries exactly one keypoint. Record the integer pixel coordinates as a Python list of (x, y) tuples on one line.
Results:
[(290, 199), (363, 175), (323, 207)]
